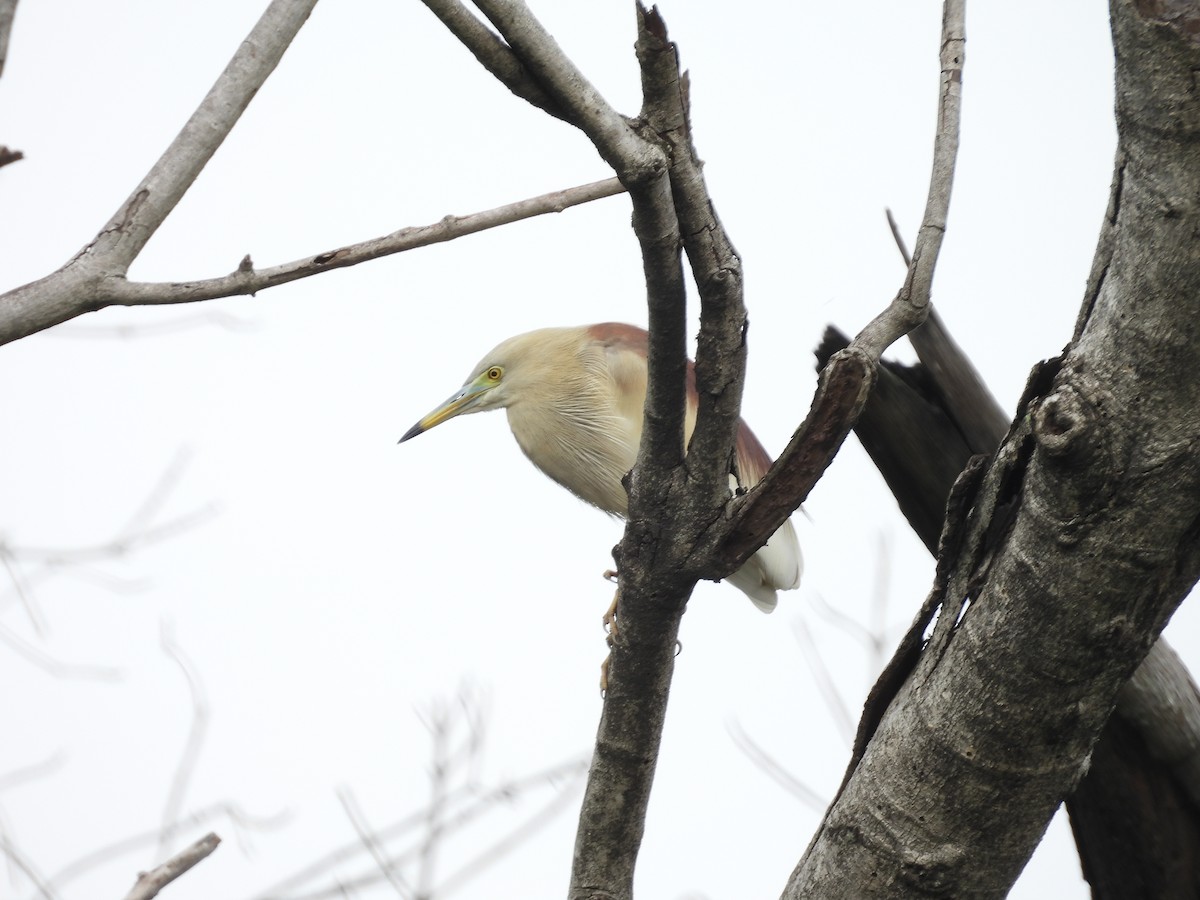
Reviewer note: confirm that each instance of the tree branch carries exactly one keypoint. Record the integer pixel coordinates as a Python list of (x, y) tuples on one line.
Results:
[(494, 55), (84, 283), (131, 227), (1080, 541), (849, 377), (150, 883), (633, 158), (1136, 814), (71, 298)]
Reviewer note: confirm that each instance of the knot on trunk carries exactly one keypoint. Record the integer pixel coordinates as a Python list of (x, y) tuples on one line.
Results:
[(1063, 424)]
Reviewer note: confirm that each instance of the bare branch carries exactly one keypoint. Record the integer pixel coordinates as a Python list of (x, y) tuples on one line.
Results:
[(59, 669), (133, 843), (898, 238), (32, 771), (634, 159), (847, 380), (36, 618), (510, 841), (498, 850), (493, 54), (371, 842), (22, 862), (85, 282), (776, 771), (150, 883), (195, 740), (472, 806), (439, 725), (826, 685), (127, 232), (910, 306), (247, 281)]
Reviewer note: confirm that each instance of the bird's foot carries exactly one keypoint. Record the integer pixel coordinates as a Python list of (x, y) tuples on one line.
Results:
[(611, 633), (610, 575), (609, 620)]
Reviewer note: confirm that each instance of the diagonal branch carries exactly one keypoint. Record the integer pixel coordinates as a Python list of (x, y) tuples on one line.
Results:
[(131, 227), (847, 380), (83, 284), (494, 55), (633, 158), (150, 883)]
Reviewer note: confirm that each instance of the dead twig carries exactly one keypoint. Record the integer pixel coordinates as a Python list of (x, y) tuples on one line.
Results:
[(150, 883)]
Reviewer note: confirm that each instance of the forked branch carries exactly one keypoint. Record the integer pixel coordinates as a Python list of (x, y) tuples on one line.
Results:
[(847, 379)]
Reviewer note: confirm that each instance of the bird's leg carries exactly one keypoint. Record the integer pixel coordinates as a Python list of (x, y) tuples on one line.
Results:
[(610, 615), (609, 620)]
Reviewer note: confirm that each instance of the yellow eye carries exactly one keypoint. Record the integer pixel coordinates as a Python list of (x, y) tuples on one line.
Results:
[(494, 373)]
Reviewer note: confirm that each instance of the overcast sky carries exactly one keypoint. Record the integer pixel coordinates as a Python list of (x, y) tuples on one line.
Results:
[(335, 587)]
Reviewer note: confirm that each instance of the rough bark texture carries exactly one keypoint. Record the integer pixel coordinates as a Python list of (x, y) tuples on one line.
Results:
[(1136, 814), (1082, 540)]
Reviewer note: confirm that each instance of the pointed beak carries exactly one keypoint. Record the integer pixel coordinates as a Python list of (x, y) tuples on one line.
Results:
[(462, 402)]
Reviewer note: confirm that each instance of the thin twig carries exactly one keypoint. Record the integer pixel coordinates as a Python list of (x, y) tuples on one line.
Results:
[(195, 741), (773, 768), (438, 725), (512, 839), (898, 237), (59, 669), (826, 686), (120, 546), (847, 380), (371, 841), (150, 883), (77, 868), (36, 618), (32, 771), (473, 806), (22, 862), (501, 848), (911, 305)]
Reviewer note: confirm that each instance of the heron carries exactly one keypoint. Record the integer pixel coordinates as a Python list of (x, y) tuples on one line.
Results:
[(575, 398)]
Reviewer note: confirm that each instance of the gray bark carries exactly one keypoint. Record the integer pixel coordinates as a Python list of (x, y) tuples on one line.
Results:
[(1083, 538)]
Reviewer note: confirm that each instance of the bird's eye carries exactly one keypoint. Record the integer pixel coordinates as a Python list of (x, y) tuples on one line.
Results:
[(494, 373)]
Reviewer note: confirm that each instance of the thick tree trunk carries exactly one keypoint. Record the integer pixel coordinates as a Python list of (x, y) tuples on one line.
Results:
[(1081, 540)]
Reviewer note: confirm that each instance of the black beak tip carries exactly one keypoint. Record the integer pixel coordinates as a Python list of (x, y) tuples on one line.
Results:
[(411, 433)]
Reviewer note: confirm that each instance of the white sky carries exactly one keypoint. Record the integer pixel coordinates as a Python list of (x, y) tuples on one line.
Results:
[(347, 584)]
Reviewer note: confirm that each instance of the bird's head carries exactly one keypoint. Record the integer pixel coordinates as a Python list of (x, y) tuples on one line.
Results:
[(512, 371)]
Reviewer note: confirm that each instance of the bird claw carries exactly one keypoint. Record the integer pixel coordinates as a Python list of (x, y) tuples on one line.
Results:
[(611, 633), (609, 620), (610, 575)]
